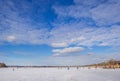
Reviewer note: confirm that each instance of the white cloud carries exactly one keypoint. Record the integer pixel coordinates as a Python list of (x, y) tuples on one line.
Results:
[(88, 36), (103, 12), (77, 39), (107, 13), (84, 59), (62, 44), (63, 36), (21, 31), (75, 11), (17, 29), (67, 51), (10, 38)]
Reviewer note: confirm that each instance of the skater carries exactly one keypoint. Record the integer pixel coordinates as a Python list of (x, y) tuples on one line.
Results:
[(77, 67), (13, 69), (68, 68)]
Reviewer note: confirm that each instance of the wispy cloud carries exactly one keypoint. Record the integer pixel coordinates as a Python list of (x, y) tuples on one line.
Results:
[(61, 44), (88, 58), (103, 12), (10, 38), (87, 36), (16, 25), (104, 30), (107, 13), (85, 23), (67, 51), (17, 29)]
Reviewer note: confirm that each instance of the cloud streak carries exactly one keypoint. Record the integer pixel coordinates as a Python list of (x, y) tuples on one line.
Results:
[(85, 23), (67, 51), (19, 30), (103, 12)]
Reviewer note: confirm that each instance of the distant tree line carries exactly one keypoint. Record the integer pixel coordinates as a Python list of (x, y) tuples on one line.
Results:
[(108, 64), (2, 65)]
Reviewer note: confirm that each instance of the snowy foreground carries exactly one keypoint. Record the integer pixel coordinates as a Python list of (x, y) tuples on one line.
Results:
[(55, 74)]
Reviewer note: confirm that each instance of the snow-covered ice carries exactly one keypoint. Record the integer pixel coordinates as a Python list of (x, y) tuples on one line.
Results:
[(55, 74)]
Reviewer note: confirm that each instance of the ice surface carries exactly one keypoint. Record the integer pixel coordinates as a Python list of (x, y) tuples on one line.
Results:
[(58, 74)]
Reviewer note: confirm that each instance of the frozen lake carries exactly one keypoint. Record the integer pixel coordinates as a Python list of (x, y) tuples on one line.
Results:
[(55, 74)]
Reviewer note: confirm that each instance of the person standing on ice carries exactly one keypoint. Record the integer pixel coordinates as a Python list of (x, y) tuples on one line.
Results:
[(68, 67), (13, 69), (77, 67)]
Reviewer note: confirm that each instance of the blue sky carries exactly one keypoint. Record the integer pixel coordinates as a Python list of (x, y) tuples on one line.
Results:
[(59, 32)]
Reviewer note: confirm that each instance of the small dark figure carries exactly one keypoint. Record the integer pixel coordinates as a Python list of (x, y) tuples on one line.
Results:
[(88, 67), (13, 69), (68, 68), (77, 67)]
